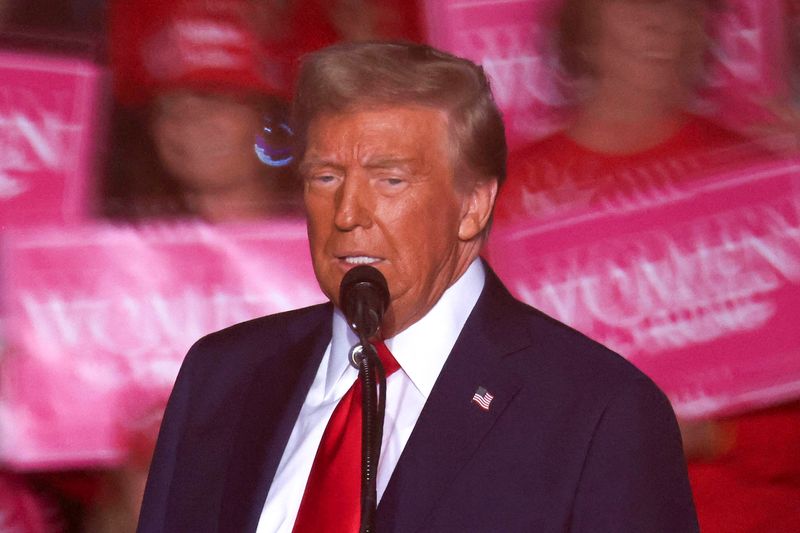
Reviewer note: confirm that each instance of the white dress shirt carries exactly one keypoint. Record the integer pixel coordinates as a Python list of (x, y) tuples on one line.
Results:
[(421, 350)]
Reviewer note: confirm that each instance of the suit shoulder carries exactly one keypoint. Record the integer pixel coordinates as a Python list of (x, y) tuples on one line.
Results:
[(287, 328), (580, 359), (286, 322)]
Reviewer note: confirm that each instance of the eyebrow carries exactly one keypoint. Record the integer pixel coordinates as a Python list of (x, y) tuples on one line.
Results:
[(379, 162), (310, 162), (402, 163)]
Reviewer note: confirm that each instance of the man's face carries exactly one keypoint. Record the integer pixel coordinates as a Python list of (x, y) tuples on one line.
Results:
[(380, 190)]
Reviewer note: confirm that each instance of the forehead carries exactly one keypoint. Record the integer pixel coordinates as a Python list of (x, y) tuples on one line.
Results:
[(366, 131), (183, 101)]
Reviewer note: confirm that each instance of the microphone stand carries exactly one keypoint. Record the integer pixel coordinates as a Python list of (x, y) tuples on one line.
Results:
[(373, 406), (364, 297)]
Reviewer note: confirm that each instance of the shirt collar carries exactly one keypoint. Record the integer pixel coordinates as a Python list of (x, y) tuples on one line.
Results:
[(422, 348)]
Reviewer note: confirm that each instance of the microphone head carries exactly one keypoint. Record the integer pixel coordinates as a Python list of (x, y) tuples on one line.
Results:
[(364, 298)]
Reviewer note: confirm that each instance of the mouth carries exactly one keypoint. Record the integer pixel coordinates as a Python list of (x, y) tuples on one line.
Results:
[(359, 259)]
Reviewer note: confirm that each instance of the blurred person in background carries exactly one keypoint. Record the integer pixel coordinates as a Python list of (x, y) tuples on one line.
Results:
[(116, 504), (635, 67), (58, 17), (23, 509), (201, 127), (201, 131), (636, 64)]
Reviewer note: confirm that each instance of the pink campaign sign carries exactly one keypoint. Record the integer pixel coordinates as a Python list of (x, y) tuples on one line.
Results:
[(99, 317), (698, 284), (749, 61), (514, 42), (48, 124)]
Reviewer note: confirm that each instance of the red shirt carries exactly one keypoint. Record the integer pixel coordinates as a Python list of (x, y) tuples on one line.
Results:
[(556, 174), (755, 486)]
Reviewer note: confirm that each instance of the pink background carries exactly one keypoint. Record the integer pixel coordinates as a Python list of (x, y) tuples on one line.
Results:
[(49, 118), (700, 289), (99, 317), (513, 41)]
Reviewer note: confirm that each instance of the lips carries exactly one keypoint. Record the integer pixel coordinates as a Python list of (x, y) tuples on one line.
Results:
[(359, 259)]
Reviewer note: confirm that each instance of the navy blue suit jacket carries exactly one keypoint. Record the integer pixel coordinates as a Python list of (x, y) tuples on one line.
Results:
[(576, 439)]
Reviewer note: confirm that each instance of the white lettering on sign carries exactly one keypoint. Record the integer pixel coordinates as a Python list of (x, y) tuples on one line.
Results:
[(739, 50), (555, 188), (668, 290), (142, 335), (10, 187), (512, 58), (35, 136)]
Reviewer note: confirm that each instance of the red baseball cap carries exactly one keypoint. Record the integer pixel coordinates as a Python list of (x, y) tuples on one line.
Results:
[(206, 45)]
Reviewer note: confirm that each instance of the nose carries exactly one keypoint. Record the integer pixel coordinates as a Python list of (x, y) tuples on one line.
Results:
[(352, 205)]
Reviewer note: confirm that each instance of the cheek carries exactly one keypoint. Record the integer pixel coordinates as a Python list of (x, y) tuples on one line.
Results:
[(243, 133), (169, 150), (223, 131), (426, 232), (317, 210), (404, 226), (320, 227), (164, 136)]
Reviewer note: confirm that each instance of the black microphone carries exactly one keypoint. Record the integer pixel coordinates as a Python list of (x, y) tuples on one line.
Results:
[(364, 297)]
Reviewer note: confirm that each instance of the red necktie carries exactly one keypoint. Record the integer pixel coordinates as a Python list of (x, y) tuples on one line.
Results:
[(332, 499)]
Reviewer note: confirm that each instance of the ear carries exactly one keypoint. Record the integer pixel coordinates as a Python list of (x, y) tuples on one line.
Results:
[(477, 209)]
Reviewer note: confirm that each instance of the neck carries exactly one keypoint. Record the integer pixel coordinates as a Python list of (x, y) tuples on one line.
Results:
[(618, 118)]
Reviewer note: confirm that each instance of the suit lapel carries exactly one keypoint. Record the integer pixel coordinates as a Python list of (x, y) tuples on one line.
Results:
[(451, 426), (272, 403)]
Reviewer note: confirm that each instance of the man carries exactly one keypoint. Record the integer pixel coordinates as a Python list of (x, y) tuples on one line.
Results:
[(499, 419)]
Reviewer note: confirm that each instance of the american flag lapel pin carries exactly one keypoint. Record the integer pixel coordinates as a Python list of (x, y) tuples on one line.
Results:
[(482, 398)]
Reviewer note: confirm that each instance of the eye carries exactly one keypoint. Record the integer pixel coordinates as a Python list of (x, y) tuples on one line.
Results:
[(392, 184), (322, 181)]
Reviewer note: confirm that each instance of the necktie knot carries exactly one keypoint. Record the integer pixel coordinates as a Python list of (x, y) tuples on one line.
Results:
[(390, 364)]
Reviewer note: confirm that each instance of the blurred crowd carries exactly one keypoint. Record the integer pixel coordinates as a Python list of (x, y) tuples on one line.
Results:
[(199, 128)]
